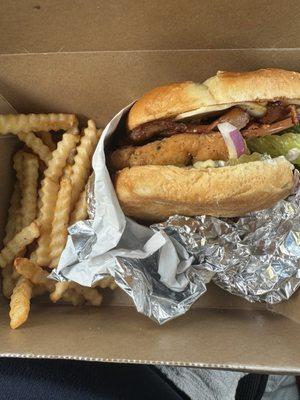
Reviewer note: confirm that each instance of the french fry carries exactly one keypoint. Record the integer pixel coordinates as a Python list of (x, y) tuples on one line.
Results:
[(48, 195), (47, 139), (15, 220), (63, 189), (107, 282), (70, 159), (60, 289), (71, 296), (36, 145), (80, 210), (18, 244), (14, 208), (36, 274), (91, 295), (67, 172), (15, 274), (20, 302), (60, 223), (30, 186), (113, 286), (61, 154), (8, 283), (14, 123), (18, 166), (83, 160)]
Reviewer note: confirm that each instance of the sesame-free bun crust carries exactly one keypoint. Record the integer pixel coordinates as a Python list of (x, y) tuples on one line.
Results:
[(155, 192), (223, 88)]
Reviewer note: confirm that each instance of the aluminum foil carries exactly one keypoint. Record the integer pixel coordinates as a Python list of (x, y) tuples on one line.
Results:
[(142, 282), (165, 268), (256, 257)]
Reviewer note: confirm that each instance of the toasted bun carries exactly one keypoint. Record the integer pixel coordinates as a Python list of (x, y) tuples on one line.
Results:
[(225, 88), (155, 192)]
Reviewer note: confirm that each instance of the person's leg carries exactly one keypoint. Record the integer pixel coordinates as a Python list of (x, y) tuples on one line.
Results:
[(251, 387), (79, 380), (199, 383), (281, 387)]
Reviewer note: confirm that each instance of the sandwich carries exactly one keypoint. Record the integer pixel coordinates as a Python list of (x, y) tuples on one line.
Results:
[(224, 147)]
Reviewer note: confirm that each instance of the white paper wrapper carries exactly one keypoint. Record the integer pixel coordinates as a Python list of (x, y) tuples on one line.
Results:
[(105, 244)]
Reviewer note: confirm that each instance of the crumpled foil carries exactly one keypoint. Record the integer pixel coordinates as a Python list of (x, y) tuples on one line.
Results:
[(256, 257), (165, 268), (141, 281)]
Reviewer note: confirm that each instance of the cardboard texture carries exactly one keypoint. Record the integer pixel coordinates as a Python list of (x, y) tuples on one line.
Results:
[(40, 26), (93, 59)]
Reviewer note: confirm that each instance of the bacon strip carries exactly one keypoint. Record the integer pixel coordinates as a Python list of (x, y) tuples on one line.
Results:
[(279, 116), (255, 130), (168, 127)]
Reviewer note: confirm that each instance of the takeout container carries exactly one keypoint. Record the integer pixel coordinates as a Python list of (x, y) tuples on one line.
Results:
[(92, 59)]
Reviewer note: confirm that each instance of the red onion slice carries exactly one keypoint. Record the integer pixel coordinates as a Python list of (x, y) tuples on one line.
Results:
[(233, 139)]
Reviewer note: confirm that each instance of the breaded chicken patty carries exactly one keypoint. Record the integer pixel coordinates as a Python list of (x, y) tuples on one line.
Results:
[(180, 149)]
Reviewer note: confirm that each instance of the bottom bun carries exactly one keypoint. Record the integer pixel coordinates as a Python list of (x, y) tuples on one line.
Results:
[(153, 192)]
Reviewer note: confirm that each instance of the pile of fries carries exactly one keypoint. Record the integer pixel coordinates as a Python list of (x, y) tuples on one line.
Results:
[(52, 170)]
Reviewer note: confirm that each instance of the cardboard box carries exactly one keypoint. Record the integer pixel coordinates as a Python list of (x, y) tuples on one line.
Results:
[(93, 58)]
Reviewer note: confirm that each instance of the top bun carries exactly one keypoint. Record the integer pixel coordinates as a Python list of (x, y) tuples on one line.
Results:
[(225, 88)]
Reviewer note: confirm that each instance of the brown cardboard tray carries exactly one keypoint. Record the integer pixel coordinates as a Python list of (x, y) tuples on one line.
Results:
[(93, 59)]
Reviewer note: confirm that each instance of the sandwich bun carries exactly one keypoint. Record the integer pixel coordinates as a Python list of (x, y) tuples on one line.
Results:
[(155, 192), (222, 91)]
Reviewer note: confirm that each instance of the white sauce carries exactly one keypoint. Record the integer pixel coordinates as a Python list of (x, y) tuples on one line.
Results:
[(209, 164), (293, 154)]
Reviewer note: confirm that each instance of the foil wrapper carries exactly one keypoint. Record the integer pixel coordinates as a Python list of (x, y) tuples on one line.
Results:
[(165, 268), (142, 282), (256, 257)]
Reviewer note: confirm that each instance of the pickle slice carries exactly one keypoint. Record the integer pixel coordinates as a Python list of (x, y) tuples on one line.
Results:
[(246, 158), (277, 145)]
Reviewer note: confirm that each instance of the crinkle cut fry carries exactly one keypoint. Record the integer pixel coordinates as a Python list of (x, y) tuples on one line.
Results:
[(14, 221), (18, 166), (48, 194), (60, 155), (18, 163), (18, 244), (48, 197), (83, 159), (14, 123), (30, 188), (20, 302), (60, 289), (36, 145), (8, 282), (80, 210), (47, 139), (11, 224), (36, 274), (107, 282), (91, 295), (73, 297), (60, 222)]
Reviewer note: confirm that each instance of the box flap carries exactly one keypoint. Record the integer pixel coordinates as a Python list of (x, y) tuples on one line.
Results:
[(42, 26), (205, 338), (95, 85)]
